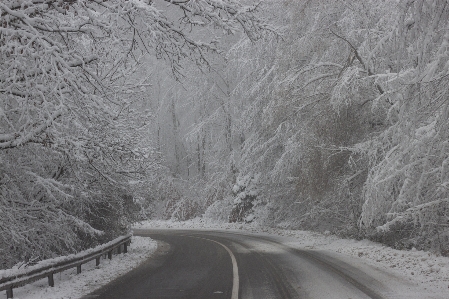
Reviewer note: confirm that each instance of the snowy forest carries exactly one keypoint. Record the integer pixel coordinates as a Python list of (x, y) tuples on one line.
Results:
[(329, 116)]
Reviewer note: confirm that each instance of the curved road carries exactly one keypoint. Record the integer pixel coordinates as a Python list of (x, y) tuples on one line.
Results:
[(213, 264)]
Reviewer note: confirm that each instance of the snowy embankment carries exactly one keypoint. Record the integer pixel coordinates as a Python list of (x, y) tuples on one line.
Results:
[(69, 285), (424, 268)]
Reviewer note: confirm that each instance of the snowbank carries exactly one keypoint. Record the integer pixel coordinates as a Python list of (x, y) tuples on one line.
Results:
[(69, 285)]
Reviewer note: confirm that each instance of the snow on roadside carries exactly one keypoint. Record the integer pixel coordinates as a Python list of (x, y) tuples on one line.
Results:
[(420, 267), (69, 285), (53, 261)]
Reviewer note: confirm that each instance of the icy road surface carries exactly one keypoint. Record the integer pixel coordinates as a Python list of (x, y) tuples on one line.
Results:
[(219, 264)]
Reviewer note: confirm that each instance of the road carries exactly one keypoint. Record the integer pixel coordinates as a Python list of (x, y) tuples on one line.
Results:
[(216, 264)]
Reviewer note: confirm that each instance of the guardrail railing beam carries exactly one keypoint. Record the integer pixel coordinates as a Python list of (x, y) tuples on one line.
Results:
[(21, 279)]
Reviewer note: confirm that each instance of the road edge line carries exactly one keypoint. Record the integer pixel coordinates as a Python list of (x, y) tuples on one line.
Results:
[(235, 269)]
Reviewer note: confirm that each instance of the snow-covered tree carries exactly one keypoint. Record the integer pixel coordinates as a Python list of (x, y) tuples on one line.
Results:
[(75, 154), (405, 193), (345, 117)]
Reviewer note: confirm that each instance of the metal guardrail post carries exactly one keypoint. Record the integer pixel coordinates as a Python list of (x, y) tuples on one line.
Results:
[(125, 247), (9, 293), (51, 281), (110, 255), (97, 261), (78, 269)]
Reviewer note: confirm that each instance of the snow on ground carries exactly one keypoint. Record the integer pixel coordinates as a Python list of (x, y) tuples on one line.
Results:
[(421, 268), (69, 285)]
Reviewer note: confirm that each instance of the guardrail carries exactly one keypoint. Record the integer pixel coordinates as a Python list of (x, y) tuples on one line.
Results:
[(48, 268)]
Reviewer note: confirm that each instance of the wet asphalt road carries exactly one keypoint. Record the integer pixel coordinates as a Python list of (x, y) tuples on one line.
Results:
[(198, 264)]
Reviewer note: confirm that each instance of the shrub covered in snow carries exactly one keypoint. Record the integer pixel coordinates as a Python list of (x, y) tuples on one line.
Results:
[(220, 210), (245, 193), (423, 227)]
